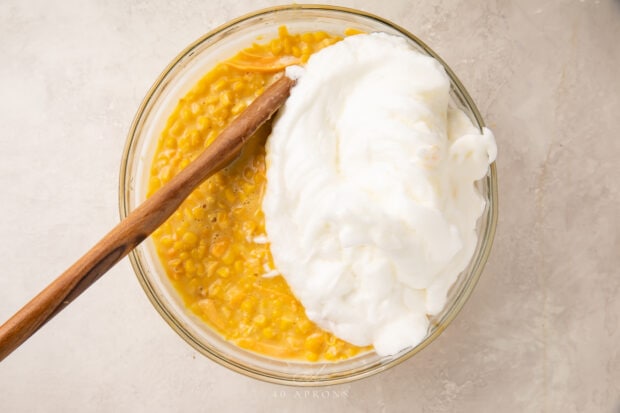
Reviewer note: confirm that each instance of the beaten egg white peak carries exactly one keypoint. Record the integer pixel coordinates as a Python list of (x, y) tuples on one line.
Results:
[(370, 205)]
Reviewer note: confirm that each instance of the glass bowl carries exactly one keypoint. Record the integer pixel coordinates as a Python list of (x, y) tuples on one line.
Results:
[(175, 81)]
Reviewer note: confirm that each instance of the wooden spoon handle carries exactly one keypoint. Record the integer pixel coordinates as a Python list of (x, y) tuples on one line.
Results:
[(141, 222)]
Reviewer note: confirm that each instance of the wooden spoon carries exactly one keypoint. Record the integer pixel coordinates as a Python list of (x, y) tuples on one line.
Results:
[(141, 222)]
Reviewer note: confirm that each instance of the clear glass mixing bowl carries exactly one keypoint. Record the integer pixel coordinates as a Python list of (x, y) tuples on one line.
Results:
[(190, 65)]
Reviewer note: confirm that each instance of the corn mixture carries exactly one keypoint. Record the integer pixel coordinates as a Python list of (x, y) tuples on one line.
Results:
[(213, 248)]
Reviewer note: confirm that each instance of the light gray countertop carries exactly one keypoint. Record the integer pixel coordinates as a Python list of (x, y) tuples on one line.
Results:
[(541, 331)]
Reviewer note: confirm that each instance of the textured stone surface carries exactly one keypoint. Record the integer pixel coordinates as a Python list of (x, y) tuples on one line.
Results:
[(541, 331)]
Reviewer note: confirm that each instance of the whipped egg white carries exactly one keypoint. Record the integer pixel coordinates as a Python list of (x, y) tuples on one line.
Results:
[(371, 204)]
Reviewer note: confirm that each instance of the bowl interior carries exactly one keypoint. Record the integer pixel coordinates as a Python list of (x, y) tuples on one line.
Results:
[(175, 82)]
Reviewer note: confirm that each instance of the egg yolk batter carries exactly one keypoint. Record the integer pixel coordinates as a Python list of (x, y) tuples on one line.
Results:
[(214, 247)]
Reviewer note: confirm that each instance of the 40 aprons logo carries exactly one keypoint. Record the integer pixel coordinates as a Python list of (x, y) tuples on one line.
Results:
[(311, 394)]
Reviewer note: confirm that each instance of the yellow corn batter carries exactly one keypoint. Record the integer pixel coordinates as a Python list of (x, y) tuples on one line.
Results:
[(211, 247)]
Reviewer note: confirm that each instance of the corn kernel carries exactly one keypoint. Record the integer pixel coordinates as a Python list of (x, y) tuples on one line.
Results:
[(170, 143), (352, 32), (193, 283), (176, 129), (276, 47), (200, 267), (318, 36), (203, 122), (177, 246), (314, 342), (185, 113), (229, 257), (283, 32), (195, 107), (198, 254), (190, 267), (215, 288), (219, 248), (211, 268), (198, 212), (268, 332), (190, 239), (247, 306), (225, 98), (304, 326), (165, 241), (219, 85), (210, 138), (285, 323), (311, 356), (331, 353), (230, 195), (238, 108)]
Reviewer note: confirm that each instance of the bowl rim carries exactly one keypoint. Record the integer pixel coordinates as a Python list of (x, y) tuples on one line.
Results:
[(460, 300)]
